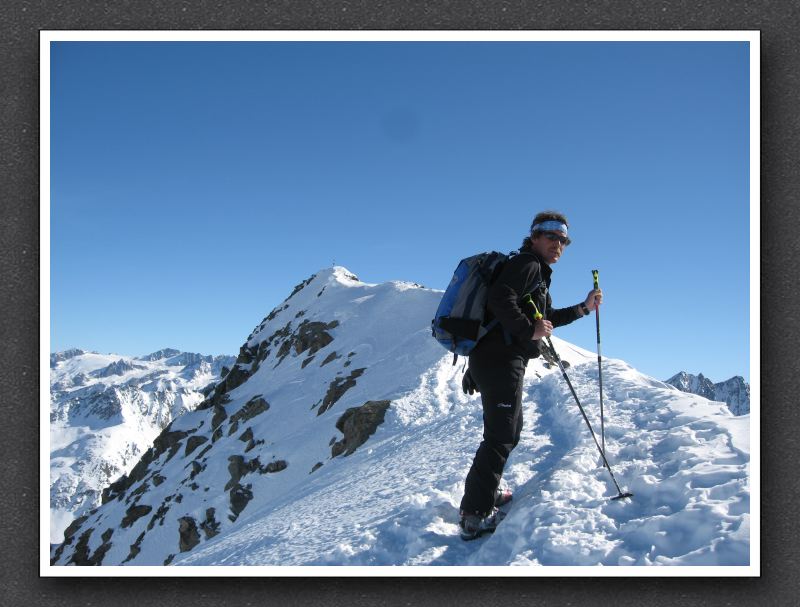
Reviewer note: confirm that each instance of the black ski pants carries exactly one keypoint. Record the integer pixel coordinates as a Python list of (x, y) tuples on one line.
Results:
[(498, 373)]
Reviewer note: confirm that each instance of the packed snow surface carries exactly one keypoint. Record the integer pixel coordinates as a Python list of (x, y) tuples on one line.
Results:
[(394, 501)]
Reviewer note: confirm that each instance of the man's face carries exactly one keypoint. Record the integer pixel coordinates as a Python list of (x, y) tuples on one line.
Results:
[(549, 245)]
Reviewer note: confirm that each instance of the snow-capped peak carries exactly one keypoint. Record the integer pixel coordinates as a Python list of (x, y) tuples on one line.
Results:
[(734, 392), (341, 436)]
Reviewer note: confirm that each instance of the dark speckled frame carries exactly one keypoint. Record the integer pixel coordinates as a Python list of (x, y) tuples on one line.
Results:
[(20, 22)]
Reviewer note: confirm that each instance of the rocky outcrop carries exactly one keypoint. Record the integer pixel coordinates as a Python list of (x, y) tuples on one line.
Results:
[(358, 424), (120, 367), (193, 443), (309, 337), (330, 358), (210, 526), (160, 354), (188, 534), (239, 496), (254, 406), (58, 357), (166, 441), (337, 388), (134, 513)]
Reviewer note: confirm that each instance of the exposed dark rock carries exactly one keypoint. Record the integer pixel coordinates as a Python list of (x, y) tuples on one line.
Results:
[(237, 468), (255, 406), (273, 314), (168, 560), (193, 443), (275, 466), (135, 548), (300, 313), (283, 351), (168, 441), (74, 526), (301, 286), (313, 336), (217, 434), (306, 362), (210, 526), (310, 337), (81, 554), (239, 496), (316, 467), (219, 416), (100, 553), (262, 353), (337, 388), (187, 531), (252, 444), (205, 450), (330, 358), (247, 435), (158, 479), (140, 490), (118, 488), (197, 468), (333, 440), (281, 334), (358, 424), (158, 517), (133, 514), (239, 373)]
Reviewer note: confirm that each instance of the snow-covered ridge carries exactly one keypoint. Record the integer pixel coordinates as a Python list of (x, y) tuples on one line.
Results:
[(734, 392), (106, 409), (341, 436)]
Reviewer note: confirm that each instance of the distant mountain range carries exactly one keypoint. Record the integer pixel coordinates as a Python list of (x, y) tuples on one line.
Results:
[(734, 392), (105, 411)]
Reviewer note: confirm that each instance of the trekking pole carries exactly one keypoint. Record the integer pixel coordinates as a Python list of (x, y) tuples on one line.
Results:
[(538, 316), (596, 277)]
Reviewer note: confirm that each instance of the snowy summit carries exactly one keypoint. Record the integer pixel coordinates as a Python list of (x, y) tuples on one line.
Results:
[(341, 436)]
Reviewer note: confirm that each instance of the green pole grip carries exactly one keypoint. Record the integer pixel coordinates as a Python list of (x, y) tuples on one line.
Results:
[(529, 299)]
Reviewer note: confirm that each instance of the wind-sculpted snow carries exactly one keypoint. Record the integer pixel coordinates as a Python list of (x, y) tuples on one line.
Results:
[(261, 474), (396, 503)]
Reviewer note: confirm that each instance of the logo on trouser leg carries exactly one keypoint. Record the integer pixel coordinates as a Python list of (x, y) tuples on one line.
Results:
[(505, 405)]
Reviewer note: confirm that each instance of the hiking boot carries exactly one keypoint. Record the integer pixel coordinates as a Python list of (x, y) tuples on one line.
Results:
[(473, 525), (502, 497)]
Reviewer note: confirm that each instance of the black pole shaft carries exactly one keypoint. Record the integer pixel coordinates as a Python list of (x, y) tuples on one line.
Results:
[(583, 413), (600, 374), (596, 281)]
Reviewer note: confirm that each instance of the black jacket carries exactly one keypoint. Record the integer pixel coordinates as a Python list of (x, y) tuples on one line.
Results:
[(520, 276)]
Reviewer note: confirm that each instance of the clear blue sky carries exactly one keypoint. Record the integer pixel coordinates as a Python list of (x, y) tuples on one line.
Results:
[(194, 184)]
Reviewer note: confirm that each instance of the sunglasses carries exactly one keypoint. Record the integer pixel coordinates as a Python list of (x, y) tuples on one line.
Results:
[(554, 236)]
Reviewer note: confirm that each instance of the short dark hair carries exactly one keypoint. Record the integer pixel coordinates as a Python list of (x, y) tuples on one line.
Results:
[(541, 217)]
